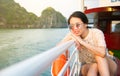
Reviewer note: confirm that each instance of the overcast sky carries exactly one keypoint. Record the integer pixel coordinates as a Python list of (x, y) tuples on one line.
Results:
[(66, 7)]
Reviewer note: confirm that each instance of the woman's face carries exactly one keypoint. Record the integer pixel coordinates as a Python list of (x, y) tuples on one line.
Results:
[(77, 26)]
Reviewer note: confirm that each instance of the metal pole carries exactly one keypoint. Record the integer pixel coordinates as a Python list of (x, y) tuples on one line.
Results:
[(61, 73), (81, 3)]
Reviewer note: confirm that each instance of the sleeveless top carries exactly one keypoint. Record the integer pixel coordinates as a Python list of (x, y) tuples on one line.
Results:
[(95, 37)]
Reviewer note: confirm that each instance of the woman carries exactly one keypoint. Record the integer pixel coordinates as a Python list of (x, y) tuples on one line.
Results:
[(91, 45)]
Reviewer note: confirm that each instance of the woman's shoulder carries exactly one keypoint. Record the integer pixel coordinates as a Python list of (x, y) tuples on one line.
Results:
[(96, 30)]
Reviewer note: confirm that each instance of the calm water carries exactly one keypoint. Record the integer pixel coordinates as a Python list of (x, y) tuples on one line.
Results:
[(19, 44)]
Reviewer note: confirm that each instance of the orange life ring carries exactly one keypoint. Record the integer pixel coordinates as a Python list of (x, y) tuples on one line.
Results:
[(58, 64)]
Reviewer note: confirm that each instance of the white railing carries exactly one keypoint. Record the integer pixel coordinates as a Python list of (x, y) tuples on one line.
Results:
[(39, 63), (75, 67), (61, 73), (36, 65)]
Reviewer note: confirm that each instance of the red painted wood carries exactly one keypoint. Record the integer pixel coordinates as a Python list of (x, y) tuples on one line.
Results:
[(106, 14), (102, 9)]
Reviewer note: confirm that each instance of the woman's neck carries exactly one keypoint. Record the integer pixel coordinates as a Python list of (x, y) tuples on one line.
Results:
[(85, 33)]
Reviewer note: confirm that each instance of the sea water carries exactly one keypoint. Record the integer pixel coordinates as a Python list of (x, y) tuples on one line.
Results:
[(19, 44)]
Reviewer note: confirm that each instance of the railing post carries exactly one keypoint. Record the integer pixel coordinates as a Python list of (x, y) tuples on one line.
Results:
[(61, 73), (81, 5)]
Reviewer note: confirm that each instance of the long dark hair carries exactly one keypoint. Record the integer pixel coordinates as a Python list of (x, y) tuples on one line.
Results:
[(80, 15)]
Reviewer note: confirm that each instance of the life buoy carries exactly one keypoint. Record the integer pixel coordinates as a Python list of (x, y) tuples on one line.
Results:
[(58, 64)]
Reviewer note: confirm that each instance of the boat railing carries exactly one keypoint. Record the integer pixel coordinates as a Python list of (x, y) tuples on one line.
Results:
[(38, 64), (75, 66)]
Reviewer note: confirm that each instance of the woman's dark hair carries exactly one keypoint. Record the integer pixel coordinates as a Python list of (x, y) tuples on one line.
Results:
[(80, 15)]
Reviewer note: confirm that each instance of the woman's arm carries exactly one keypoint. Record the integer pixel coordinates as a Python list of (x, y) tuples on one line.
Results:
[(69, 37), (97, 50), (65, 39)]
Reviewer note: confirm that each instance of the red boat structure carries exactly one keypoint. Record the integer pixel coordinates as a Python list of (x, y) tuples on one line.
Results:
[(107, 19)]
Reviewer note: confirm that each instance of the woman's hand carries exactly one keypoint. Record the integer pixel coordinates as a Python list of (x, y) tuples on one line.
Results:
[(76, 38)]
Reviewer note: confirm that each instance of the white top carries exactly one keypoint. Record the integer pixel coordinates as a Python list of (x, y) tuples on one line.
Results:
[(95, 37)]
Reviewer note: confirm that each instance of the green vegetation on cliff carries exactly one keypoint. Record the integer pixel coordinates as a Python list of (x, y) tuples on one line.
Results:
[(52, 18), (12, 15)]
